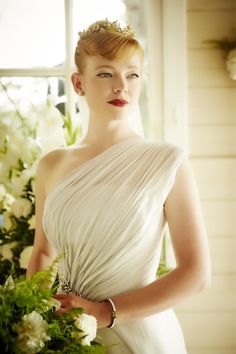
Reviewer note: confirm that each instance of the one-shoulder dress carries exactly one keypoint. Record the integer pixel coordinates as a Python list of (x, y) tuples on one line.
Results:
[(107, 217)]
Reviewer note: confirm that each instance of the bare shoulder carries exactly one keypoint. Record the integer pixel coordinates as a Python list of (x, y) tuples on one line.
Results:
[(185, 186), (52, 157), (59, 163), (51, 166)]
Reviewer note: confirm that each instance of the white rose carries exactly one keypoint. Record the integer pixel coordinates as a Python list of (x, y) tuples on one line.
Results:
[(50, 131), (19, 182), (88, 325), (2, 195), (32, 333), (21, 207), (17, 185), (5, 198), (31, 222), (25, 257), (8, 223), (33, 185), (13, 153), (8, 201), (6, 166), (2, 191), (32, 170), (28, 150), (6, 251)]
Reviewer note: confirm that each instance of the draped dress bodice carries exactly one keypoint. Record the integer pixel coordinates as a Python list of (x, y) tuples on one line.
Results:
[(107, 218)]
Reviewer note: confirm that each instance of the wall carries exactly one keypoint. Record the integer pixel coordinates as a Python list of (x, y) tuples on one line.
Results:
[(209, 319)]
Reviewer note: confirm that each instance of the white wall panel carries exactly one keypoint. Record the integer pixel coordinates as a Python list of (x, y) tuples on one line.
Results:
[(209, 318), (209, 329), (207, 58), (216, 5), (220, 218), (209, 25), (221, 296), (210, 78), (212, 106), (216, 178), (211, 351), (223, 254), (215, 141)]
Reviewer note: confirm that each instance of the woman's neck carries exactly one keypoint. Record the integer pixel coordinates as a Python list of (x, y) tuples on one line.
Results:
[(100, 133)]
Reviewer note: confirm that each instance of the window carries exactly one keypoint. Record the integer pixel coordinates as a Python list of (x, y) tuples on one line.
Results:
[(38, 38)]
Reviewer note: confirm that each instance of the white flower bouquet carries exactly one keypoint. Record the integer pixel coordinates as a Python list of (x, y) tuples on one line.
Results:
[(29, 323), (29, 128)]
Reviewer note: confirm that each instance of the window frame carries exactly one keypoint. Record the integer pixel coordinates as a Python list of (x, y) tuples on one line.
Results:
[(63, 71), (167, 104)]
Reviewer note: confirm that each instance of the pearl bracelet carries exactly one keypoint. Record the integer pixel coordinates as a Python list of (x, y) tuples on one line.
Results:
[(114, 316)]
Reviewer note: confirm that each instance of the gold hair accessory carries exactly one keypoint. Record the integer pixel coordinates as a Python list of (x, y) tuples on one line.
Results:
[(106, 26)]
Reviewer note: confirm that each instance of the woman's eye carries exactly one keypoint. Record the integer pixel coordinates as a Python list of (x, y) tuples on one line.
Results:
[(104, 75), (133, 76)]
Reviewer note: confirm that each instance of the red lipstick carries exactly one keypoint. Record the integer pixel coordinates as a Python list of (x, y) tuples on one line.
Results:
[(118, 103)]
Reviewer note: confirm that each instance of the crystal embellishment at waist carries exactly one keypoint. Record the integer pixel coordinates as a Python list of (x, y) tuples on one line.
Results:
[(65, 286)]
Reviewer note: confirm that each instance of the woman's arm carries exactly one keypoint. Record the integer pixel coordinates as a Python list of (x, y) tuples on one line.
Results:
[(192, 272), (189, 239), (43, 253)]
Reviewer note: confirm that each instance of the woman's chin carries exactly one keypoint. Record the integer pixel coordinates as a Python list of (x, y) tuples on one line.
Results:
[(120, 113)]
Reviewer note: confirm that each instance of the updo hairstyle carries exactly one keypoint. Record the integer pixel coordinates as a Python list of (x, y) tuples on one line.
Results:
[(108, 40)]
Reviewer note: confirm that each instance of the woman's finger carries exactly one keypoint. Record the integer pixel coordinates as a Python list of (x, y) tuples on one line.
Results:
[(60, 296)]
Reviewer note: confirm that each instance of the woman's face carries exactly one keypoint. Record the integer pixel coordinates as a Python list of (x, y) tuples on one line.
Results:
[(112, 88)]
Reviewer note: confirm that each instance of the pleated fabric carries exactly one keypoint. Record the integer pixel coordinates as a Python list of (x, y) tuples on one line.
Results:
[(107, 217)]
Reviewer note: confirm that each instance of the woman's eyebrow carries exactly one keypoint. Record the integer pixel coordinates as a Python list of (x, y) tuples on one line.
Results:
[(112, 67)]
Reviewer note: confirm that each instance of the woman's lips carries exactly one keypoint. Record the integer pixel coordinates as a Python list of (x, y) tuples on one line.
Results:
[(118, 103)]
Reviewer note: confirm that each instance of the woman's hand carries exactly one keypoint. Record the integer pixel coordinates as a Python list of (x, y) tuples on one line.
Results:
[(100, 310)]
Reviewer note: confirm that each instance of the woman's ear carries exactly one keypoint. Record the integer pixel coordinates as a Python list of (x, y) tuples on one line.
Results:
[(76, 81)]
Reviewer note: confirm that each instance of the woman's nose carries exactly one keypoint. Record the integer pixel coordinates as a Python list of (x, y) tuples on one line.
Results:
[(119, 86)]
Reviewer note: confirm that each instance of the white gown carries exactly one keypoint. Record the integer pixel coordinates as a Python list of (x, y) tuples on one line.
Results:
[(107, 217)]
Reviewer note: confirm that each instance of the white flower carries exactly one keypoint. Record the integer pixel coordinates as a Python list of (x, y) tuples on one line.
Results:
[(17, 186), (21, 207), (50, 131), (2, 195), (32, 333), (25, 257), (31, 222), (55, 303), (88, 325), (52, 303), (9, 283), (2, 191), (5, 198), (33, 185), (6, 251), (19, 182), (8, 223), (8, 201)]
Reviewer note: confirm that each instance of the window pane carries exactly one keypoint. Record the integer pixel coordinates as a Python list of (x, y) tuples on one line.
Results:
[(86, 12), (32, 33)]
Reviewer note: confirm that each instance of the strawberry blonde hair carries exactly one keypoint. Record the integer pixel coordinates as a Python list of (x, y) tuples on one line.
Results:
[(107, 43)]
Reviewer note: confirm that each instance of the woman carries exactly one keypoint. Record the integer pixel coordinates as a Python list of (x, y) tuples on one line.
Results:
[(105, 203)]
